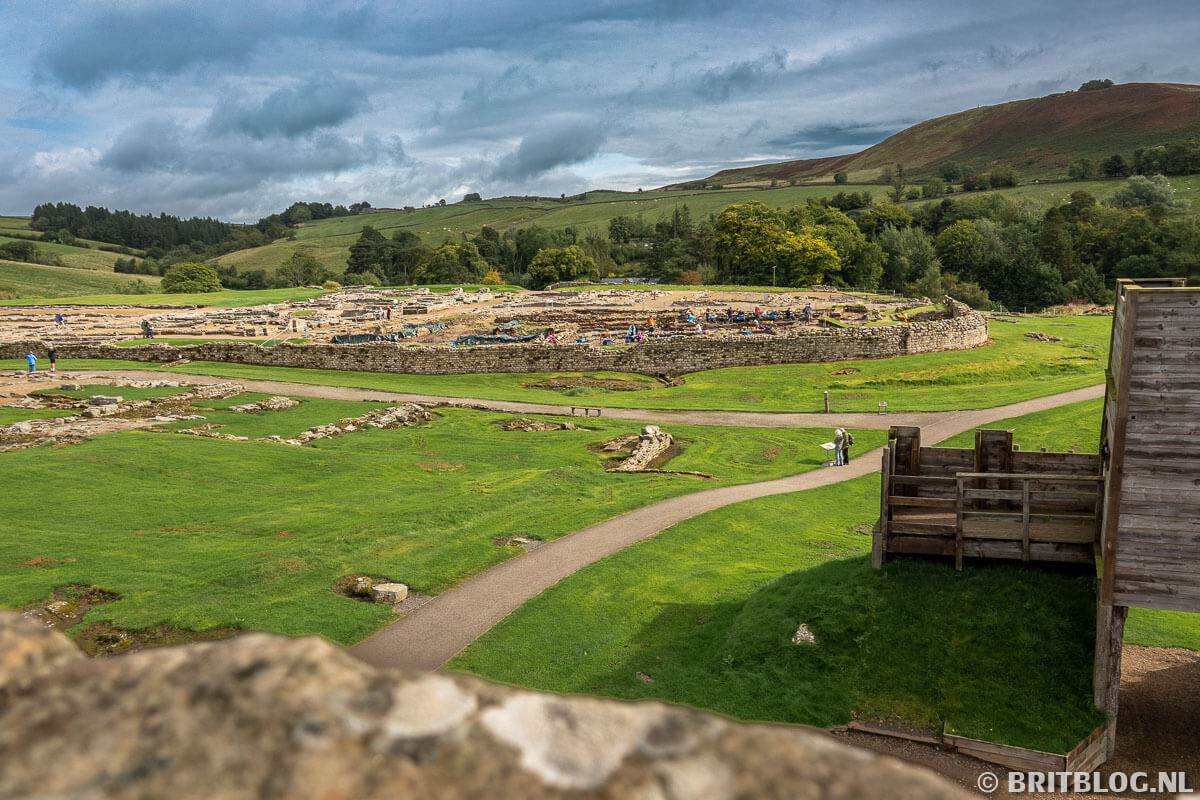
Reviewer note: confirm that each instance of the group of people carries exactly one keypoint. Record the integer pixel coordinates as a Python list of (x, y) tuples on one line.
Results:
[(384, 313), (842, 439), (32, 359)]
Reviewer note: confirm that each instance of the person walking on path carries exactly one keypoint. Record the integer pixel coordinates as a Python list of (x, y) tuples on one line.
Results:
[(53, 356), (31, 359), (839, 439), (847, 440)]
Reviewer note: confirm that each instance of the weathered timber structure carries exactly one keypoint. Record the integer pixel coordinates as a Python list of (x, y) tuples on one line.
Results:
[(1149, 554), (1133, 510), (990, 501)]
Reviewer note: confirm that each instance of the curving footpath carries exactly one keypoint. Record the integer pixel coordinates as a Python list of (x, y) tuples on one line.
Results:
[(433, 634), (748, 419)]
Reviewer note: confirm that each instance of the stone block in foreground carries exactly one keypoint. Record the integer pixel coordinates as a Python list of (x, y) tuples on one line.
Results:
[(263, 716)]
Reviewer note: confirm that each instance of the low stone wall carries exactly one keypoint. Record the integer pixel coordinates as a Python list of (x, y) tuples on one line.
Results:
[(672, 356), (263, 717)]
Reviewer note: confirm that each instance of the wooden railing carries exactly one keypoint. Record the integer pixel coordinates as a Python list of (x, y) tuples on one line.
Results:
[(999, 506)]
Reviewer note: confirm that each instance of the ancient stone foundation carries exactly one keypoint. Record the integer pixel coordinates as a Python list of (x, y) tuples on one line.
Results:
[(262, 716), (963, 329)]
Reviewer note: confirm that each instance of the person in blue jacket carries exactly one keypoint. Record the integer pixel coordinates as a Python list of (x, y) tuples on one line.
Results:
[(31, 359)]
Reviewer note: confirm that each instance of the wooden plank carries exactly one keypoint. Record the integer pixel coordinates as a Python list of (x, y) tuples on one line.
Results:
[(991, 494), (1019, 758), (922, 502), (895, 733), (1056, 552), (1155, 542), (934, 528), (921, 480), (1190, 594), (921, 545), (1158, 602), (1036, 476), (1151, 569), (1139, 520)]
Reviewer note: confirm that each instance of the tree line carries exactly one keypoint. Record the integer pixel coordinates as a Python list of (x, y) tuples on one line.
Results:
[(168, 239)]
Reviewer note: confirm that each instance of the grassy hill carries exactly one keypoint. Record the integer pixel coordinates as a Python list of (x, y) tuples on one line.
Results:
[(330, 239), (37, 280), (1039, 136)]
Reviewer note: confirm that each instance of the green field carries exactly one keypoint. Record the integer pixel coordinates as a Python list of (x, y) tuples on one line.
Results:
[(706, 610), (227, 298), (201, 533), (34, 281), (1013, 369), (75, 257)]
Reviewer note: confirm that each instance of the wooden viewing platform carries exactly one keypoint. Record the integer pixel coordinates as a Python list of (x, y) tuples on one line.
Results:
[(983, 503)]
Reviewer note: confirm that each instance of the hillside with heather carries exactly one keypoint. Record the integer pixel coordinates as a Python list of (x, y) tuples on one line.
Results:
[(1039, 137)]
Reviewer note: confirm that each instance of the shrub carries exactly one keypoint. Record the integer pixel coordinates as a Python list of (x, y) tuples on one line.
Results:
[(190, 276), (689, 277)]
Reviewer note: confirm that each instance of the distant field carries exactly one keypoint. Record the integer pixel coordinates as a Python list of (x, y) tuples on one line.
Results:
[(32, 281), (224, 299), (77, 257), (329, 240)]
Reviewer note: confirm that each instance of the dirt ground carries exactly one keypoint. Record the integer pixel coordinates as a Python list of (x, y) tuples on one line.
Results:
[(1158, 727)]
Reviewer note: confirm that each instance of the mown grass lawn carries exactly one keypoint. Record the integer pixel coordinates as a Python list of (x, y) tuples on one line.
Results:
[(1013, 369), (201, 533), (706, 610), (704, 613)]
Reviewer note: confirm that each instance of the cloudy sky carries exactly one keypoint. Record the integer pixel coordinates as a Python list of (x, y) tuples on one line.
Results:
[(236, 109)]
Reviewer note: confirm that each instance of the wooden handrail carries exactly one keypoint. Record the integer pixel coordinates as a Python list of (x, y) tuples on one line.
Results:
[(1056, 476)]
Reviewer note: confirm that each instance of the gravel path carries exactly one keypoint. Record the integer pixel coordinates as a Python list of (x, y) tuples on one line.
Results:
[(432, 635), (751, 419)]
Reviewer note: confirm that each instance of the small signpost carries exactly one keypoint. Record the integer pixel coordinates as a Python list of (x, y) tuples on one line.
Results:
[(883, 406), (828, 455)]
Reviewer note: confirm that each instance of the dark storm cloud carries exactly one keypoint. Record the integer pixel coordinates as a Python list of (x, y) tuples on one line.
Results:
[(163, 146), (830, 137), (545, 150), (290, 112), (163, 40), (717, 85), (145, 41), (139, 41)]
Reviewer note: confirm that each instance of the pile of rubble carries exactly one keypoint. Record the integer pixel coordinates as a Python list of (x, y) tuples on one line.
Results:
[(105, 414), (404, 416), (651, 444), (535, 425), (277, 403)]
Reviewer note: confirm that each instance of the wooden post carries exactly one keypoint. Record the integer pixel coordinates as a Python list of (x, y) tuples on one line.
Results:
[(958, 526), (879, 541), (1106, 675), (1025, 519)]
